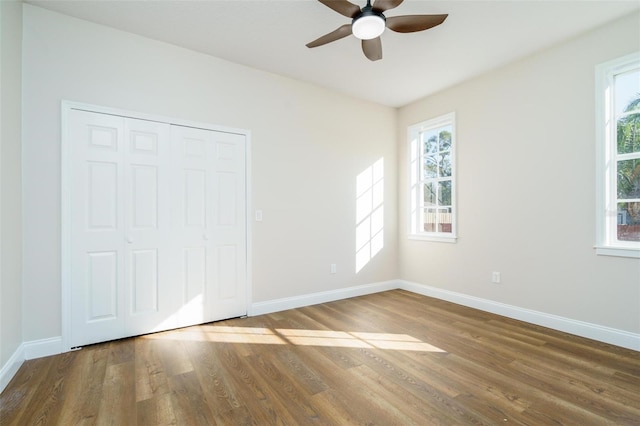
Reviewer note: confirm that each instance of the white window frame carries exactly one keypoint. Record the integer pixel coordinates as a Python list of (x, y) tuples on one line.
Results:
[(416, 160), (606, 160)]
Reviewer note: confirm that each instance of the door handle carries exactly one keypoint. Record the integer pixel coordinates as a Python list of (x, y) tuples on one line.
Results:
[(129, 240)]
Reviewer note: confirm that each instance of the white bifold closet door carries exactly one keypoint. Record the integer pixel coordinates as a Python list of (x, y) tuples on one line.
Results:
[(158, 226)]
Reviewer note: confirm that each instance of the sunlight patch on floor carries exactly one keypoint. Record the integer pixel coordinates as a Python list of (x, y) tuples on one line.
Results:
[(209, 333), (399, 342), (322, 338), (298, 337)]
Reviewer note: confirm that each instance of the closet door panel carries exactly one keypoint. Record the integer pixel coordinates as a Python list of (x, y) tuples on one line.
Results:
[(144, 194), (227, 276), (102, 195), (194, 198), (97, 225), (144, 281), (192, 168), (102, 286), (195, 281), (150, 253), (212, 222), (229, 226)]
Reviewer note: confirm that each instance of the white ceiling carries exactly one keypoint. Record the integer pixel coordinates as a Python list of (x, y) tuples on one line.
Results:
[(270, 35)]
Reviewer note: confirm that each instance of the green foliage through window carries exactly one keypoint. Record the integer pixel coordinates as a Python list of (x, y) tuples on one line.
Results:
[(627, 119)]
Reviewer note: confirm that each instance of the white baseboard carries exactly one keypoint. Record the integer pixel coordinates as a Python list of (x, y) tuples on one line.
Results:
[(597, 332), (28, 350), (601, 333), (43, 347), (11, 367), (277, 305)]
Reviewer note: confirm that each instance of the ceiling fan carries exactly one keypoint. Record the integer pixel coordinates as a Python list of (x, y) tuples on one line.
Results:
[(369, 22)]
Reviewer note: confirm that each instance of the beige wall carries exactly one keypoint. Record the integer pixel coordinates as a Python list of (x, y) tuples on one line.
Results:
[(10, 180), (526, 188), (526, 162), (309, 145)]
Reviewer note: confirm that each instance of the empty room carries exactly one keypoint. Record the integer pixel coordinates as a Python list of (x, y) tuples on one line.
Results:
[(319, 212)]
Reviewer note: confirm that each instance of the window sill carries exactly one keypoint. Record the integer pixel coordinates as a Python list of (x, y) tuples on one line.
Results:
[(433, 238), (618, 251)]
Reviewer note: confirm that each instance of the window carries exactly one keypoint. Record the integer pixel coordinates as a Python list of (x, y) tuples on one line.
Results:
[(432, 179), (618, 157)]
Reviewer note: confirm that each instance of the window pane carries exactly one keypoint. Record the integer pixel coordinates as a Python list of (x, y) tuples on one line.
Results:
[(629, 179), (430, 142), (445, 164), (626, 90), (437, 220), (429, 219), (628, 133), (445, 138), (444, 220), (429, 194), (629, 221), (430, 167), (444, 193)]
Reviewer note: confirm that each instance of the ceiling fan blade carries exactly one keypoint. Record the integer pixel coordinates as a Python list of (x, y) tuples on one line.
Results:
[(343, 7), (382, 5), (372, 48), (413, 23), (334, 35)]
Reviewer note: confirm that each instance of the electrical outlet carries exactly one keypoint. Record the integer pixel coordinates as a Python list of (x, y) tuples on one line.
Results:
[(495, 277), (333, 268)]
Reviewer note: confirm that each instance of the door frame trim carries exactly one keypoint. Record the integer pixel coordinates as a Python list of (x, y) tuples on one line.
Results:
[(65, 197)]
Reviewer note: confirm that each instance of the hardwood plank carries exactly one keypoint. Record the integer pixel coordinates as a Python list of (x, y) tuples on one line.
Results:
[(172, 354), (254, 389), (84, 392), (310, 381), (573, 391), (213, 379), (284, 387), (151, 377), (23, 390), (50, 395), (117, 405), (387, 358), (156, 411), (188, 402)]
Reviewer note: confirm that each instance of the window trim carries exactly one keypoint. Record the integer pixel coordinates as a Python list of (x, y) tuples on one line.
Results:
[(606, 243), (414, 179)]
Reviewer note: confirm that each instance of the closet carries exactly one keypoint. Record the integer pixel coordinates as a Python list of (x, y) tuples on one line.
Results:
[(156, 224)]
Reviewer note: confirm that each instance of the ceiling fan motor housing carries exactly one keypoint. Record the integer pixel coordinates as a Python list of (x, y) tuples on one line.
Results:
[(368, 24)]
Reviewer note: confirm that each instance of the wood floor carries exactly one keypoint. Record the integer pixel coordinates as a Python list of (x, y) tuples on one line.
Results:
[(393, 358)]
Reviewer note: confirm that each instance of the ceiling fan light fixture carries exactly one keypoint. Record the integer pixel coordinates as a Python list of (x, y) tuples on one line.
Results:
[(369, 22), (368, 26)]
